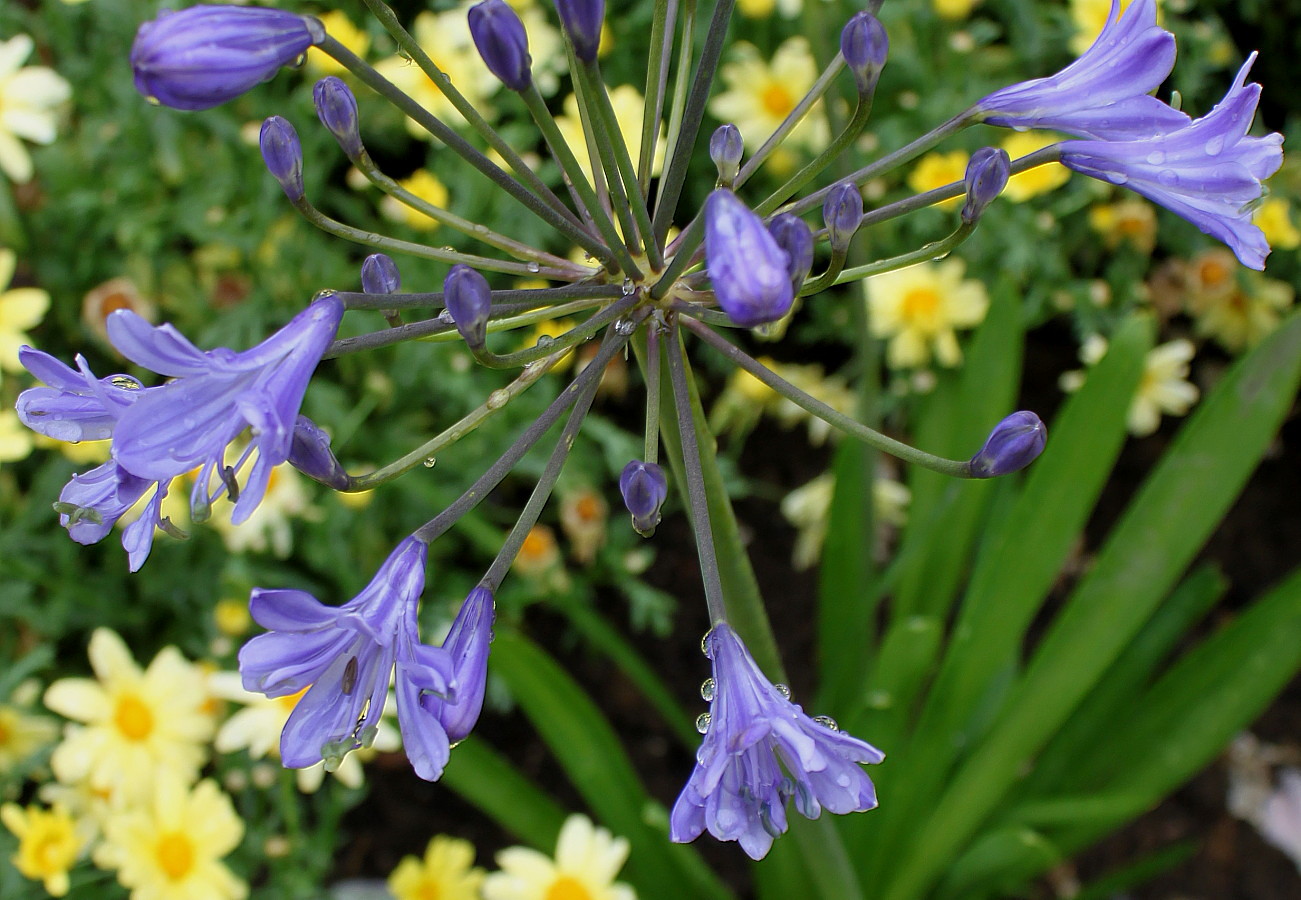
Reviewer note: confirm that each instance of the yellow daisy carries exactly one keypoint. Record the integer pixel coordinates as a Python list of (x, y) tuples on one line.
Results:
[(135, 726), (1162, 389), (16, 440), (28, 98), (21, 732), (954, 10), (1243, 316), (584, 515), (340, 27), (587, 860), (919, 309), (20, 308), (1040, 179), (760, 94), (1274, 217), (48, 844), (935, 170), (628, 104), (446, 873), (1131, 221), (170, 848)]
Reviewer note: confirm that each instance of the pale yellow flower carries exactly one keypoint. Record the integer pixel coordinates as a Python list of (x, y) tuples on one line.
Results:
[(170, 847), (231, 617), (935, 170), (446, 873), (1211, 276), (48, 844), (20, 308), (340, 27), (1040, 179), (28, 98), (257, 727), (1089, 17), (22, 733), (919, 308), (445, 36), (135, 726), (1274, 217), (813, 380), (1162, 389), (587, 860), (762, 9), (808, 508), (425, 185), (628, 106), (584, 515), (760, 94), (1242, 317), (954, 10), (1131, 221), (107, 298), (16, 440)]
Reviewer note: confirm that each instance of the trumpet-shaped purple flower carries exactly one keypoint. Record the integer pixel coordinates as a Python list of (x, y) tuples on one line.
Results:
[(452, 719), (212, 397), (1105, 93), (1209, 172), (746, 267), (205, 55), (760, 751), (344, 656)]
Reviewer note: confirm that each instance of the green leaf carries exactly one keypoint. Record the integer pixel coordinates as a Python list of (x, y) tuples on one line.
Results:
[(484, 777), (998, 863), (589, 751), (1163, 527)]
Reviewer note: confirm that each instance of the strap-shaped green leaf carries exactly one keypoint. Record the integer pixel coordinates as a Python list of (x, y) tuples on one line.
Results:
[(485, 778)]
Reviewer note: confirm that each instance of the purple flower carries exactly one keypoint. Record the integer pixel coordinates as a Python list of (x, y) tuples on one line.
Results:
[(469, 301), (986, 176), (1209, 172), (212, 397), (760, 751), (336, 107), (467, 645), (205, 55), (746, 267), (283, 155), (1014, 443), (344, 656), (1104, 93), (310, 453)]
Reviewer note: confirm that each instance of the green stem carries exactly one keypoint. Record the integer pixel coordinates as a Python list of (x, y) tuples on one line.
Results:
[(815, 166), (793, 118), (934, 250), (600, 147), (566, 341), (535, 296), (657, 79), (651, 440), (681, 85), (687, 243)]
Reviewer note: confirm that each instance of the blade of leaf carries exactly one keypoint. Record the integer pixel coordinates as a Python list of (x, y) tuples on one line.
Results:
[(482, 776)]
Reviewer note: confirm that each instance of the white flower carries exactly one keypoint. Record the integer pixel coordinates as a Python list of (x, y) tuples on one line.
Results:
[(587, 860), (28, 97)]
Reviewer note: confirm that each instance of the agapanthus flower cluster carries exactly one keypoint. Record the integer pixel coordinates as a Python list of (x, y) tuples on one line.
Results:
[(738, 263)]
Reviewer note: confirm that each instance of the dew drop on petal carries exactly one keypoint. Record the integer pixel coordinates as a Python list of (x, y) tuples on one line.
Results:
[(707, 689), (826, 722), (1215, 145), (782, 689), (1156, 157), (702, 722)]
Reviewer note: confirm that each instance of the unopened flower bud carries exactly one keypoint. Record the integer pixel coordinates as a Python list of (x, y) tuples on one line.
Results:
[(842, 212), (379, 275), (644, 487), (468, 298), (503, 43), (725, 149), (1014, 443), (283, 155), (205, 55), (582, 22), (795, 238), (746, 267), (337, 108), (987, 175), (864, 45), (310, 454)]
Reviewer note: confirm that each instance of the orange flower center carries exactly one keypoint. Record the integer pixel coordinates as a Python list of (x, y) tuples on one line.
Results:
[(175, 855), (567, 888), (588, 508), (133, 718), (1213, 273), (920, 303), (777, 100)]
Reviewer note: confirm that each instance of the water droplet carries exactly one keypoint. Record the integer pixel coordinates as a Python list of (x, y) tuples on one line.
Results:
[(153, 101), (446, 317), (782, 689), (533, 267), (1156, 157), (704, 644), (1117, 177), (298, 61), (430, 462), (627, 287), (826, 722), (702, 722), (1215, 145), (843, 779), (625, 327), (707, 689), (498, 398), (1168, 177), (125, 382), (545, 340)]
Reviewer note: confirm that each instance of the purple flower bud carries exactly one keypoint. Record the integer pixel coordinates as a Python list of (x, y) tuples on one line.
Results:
[(468, 298), (794, 236), (987, 175), (644, 487), (582, 22), (205, 55), (864, 45), (283, 155), (467, 644), (1014, 443), (842, 211), (503, 43), (337, 108), (749, 272), (310, 453), (725, 149), (379, 275)]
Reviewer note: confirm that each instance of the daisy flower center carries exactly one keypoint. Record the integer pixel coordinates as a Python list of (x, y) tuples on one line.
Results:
[(777, 100), (175, 855), (133, 718), (920, 304), (568, 888)]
